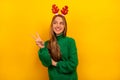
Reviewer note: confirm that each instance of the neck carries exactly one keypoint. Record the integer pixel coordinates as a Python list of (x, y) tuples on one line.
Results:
[(59, 34)]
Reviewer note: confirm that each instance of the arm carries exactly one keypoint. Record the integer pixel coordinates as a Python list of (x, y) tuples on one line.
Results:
[(71, 64), (45, 56), (43, 51)]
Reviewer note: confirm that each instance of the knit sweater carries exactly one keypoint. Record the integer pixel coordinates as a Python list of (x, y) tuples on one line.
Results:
[(65, 69)]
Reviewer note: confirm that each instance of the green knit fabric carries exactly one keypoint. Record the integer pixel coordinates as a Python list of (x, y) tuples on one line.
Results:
[(66, 67)]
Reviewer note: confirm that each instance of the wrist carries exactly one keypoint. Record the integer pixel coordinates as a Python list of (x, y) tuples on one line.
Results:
[(54, 63)]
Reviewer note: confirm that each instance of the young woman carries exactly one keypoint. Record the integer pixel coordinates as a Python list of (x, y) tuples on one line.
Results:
[(59, 53)]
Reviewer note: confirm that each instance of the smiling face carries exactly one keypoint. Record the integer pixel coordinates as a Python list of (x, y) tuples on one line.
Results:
[(58, 25)]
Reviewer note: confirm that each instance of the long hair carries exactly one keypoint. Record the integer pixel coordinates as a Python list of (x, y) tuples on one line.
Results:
[(53, 46)]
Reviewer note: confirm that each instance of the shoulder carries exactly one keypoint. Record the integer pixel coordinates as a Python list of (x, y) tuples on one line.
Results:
[(70, 39), (71, 43)]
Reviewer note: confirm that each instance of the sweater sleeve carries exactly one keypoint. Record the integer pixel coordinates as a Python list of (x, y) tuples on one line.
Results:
[(71, 64), (44, 56)]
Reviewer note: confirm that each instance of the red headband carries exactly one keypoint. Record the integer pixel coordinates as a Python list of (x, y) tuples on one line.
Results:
[(55, 9)]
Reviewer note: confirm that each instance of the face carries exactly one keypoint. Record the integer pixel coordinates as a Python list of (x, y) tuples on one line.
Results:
[(58, 25)]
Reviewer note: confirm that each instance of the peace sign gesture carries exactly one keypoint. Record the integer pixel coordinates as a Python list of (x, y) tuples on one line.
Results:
[(38, 40)]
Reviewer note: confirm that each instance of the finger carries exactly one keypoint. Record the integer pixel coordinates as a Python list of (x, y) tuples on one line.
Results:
[(40, 42), (34, 37), (41, 46), (38, 36)]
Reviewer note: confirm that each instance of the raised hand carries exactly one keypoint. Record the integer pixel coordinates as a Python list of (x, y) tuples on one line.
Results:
[(38, 40)]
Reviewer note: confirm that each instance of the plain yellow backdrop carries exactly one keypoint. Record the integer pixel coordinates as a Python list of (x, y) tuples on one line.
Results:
[(94, 24)]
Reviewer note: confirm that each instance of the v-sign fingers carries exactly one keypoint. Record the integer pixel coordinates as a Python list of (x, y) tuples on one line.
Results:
[(38, 36), (34, 37)]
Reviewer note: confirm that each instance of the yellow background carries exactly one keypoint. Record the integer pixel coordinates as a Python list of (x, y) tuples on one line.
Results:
[(94, 24)]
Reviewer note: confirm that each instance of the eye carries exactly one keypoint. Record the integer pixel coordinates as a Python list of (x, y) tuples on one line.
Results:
[(55, 22), (62, 23)]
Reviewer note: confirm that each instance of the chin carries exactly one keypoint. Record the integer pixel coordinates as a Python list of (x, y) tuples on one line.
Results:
[(58, 33)]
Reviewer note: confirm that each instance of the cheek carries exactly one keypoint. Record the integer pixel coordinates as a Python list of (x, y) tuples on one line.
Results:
[(53, 28), (63, 27)]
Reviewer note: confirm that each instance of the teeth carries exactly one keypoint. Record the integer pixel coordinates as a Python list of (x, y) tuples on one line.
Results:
[(58, 29)]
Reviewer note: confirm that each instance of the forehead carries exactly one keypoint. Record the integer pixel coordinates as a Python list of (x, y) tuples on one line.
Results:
[(58, 19)]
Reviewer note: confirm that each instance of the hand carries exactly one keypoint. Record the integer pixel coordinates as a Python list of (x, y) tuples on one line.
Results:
[(54, 63), (38, 40)]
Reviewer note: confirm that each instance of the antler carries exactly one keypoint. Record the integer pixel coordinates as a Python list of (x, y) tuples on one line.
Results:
[(64, 10), (55, 9)]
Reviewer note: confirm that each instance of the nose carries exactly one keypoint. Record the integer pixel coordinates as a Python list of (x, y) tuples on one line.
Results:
[(58, 25)]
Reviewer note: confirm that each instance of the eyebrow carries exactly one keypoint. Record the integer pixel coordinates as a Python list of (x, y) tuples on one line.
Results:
[(57, 21)]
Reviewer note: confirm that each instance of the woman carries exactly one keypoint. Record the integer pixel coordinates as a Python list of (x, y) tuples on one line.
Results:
[(59, 53)]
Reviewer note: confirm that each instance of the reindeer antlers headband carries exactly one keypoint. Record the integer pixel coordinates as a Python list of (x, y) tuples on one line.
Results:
[(55, 10)]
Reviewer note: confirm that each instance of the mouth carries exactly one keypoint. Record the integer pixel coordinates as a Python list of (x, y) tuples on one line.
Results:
[(58, 29)]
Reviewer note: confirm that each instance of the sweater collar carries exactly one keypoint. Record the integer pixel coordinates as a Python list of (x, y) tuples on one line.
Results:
[(59, 36)]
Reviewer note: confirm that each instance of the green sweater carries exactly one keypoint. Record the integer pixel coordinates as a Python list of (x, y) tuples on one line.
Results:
[(66, 67)]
